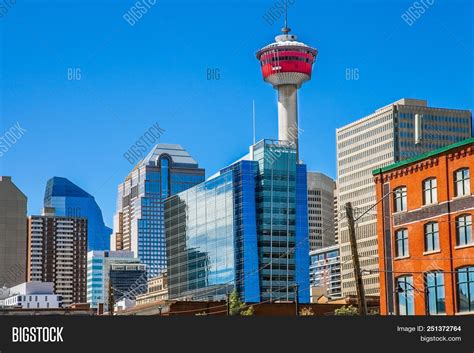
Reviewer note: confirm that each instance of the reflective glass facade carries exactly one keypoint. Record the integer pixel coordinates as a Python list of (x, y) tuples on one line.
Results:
[(139, 221), (246, 228), (98, 269), (69, 200)]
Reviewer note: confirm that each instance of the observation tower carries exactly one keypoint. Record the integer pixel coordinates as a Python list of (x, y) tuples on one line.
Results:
[(286, 64)]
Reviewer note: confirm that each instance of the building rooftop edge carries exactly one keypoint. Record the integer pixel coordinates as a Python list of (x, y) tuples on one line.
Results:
[(423, 156), (400, 102)]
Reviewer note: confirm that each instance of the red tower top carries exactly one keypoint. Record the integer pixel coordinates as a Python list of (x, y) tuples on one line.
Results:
[(286, 61)]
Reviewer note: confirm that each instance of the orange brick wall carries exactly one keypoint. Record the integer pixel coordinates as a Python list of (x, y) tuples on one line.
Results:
[(448, 258)]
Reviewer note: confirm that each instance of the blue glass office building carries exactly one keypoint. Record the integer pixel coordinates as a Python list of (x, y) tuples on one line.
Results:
[(70, 200), (245, 228), (139, 221)]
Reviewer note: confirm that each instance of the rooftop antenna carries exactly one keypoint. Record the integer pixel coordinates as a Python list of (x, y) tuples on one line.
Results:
[(253, 117), (286, 29)]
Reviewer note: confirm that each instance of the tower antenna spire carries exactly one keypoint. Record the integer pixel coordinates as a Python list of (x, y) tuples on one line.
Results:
[(286, 29)]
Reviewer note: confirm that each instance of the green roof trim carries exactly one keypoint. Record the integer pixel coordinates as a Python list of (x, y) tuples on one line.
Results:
[(423, 156)]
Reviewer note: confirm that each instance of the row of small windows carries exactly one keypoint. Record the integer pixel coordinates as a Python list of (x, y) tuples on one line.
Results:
[(434, 291), (364, 136), (462, 187), (364, 126), (436, 127), (284, 58), (367, 153), (431, 236), (367, 144), (429, 117)]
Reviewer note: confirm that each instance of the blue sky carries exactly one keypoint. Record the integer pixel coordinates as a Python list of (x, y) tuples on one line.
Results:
[(155, 72)]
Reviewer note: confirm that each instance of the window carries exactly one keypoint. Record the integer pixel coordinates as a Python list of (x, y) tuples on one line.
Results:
[(164, 164), (431, 236), (465, 289), (430, 191), (435, 294), (405, 295), (464, 230), (400, 197), (401, 243), (462, 182)]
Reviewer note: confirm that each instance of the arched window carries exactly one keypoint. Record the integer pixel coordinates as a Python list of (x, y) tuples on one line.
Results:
[(400, 199), (405, 297), (401, 243), (431, 236), (462, 182), (430, 191), (465, 288), (464, 230)]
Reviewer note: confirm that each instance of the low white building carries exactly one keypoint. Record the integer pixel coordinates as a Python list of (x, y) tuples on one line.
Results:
[(31, 295), (124, 304)]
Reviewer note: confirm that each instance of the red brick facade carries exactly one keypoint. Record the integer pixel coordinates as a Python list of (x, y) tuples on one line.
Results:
[(439, 234)]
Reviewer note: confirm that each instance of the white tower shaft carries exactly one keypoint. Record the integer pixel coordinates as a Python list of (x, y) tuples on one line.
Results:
[(288, 114)]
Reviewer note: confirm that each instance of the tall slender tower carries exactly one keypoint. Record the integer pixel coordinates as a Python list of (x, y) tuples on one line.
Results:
[(287, 64)]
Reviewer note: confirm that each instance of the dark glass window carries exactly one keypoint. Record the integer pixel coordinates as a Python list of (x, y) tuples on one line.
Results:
[(401, 242), (435, 293), (431, 236), (405, 297), (462, 182), (430, 191), (464, 230), (465, 289), (400, 199)]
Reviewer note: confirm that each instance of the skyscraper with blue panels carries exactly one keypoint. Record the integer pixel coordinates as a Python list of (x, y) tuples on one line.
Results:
[(139, 220), (69, 200), (248, 222)]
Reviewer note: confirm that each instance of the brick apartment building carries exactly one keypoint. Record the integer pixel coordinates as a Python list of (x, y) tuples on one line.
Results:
[(425, 233), (57, 252)]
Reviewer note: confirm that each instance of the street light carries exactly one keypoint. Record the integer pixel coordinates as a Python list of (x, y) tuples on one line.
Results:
[(400, 289)]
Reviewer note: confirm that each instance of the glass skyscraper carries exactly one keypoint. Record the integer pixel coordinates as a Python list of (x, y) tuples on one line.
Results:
[(139, 220), (69, 200), (244, 228)]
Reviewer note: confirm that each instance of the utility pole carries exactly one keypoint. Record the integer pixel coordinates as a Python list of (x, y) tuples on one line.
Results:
[(228, 304), (355, 261)]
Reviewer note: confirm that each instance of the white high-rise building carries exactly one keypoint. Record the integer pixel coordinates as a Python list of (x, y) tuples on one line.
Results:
[(393, 133)]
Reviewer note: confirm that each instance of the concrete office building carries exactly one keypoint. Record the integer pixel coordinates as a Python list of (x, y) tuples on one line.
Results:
[(139, 221), (31, 295), (321, 211), (245, 228), (398, 131), (98, 273), (12, 233), (157, 290), (57, 252)]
